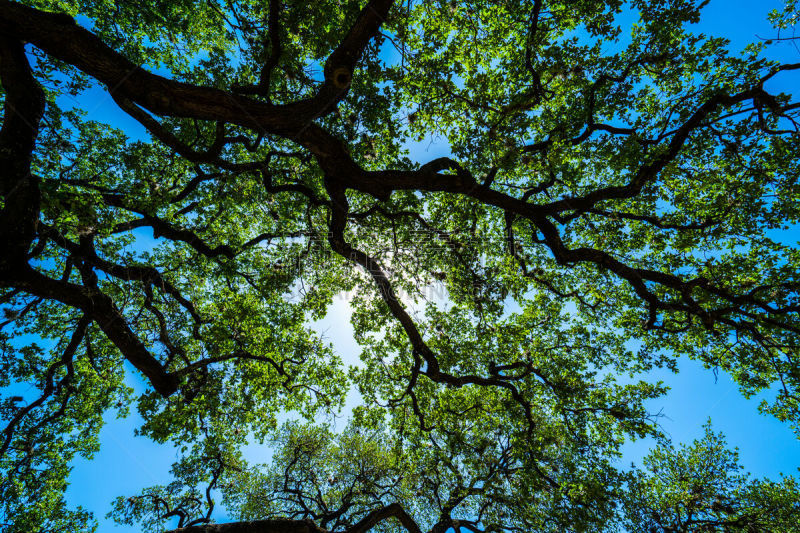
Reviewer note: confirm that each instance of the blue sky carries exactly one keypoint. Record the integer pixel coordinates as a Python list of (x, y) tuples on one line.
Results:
[(126, 464)]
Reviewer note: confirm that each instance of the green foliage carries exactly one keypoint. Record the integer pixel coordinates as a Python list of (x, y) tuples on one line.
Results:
[(613, 199), (701, 487)]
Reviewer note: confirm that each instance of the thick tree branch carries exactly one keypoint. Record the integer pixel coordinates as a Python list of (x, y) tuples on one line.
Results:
[(23, 108), (61, 37), (99, 306), (394, 510)]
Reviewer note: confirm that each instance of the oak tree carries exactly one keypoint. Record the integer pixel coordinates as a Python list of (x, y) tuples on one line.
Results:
[(701, 488), (612, 199)]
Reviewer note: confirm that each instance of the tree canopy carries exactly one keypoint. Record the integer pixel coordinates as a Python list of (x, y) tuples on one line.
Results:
[(613, 199)]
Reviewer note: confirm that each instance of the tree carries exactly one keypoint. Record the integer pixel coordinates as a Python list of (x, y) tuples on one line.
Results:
[(701, 488), (610, 203)]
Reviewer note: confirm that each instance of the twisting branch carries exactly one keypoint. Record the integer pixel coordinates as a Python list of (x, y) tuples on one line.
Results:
[(394, 510), (61, 37), (273, 40), (101, 308), (649, 172), (211, 155), (49, 388), (147, 274), (432, 370)]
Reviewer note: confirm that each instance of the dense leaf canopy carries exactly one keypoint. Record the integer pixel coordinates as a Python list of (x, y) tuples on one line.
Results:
[(613, 199)]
